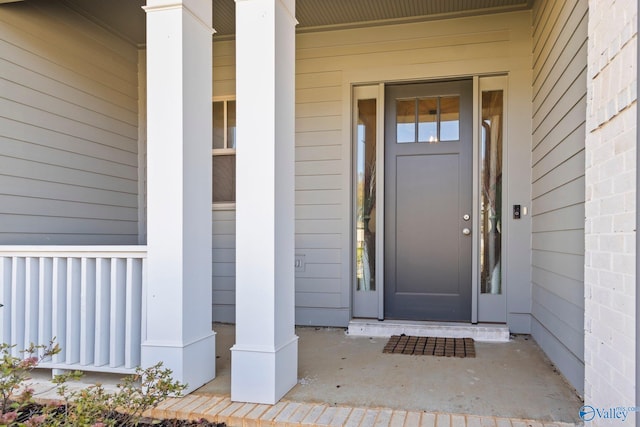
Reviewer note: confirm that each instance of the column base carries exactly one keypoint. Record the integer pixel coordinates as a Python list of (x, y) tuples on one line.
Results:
[(260, 375), (193, 364)]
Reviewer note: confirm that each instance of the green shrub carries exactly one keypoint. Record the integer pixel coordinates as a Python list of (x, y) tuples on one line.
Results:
[(14, 372), (91, 406)]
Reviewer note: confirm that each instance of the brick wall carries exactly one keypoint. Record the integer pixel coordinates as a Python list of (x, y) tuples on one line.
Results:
[(610, 251)]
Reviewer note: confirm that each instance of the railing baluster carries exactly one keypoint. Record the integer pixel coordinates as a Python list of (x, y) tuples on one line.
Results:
[(5, 293), (118, 326), (143, 292), (31, 303), (134, 296), (88, 300), (73, 310), (87, 311), (103, 307), (45, 302), (59, 309), (17, 306)]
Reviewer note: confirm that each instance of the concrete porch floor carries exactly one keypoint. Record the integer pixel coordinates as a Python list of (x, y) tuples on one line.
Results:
[(347, 381), (508, 380)]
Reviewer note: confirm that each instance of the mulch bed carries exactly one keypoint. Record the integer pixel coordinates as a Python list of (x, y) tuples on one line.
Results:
[(430, 346), (35, 409), (181, 423)]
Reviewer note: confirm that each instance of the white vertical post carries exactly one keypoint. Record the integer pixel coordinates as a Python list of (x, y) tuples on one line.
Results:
[(87, 311), (265, 356), (103, 307), (179, 130), (17, 305), (74, 277), (133, 313), (59, 309), (6, 268), (45, 302), (117, 324), (31, 301)]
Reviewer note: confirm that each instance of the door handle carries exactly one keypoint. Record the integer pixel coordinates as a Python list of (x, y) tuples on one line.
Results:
[(466, 231)]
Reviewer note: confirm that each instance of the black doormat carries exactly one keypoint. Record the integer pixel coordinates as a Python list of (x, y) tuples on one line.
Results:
[(430, 346)]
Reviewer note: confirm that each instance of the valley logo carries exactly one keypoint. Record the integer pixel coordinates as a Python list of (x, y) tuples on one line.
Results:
[(617, 413)]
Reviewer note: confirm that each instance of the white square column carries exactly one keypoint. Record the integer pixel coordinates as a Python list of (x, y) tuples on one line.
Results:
[(264, 359), (179, 130)]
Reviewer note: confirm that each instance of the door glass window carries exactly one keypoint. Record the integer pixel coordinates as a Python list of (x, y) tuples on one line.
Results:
[(491, 192), (429, 120), (366, 196), (405, 120), (450, 118)]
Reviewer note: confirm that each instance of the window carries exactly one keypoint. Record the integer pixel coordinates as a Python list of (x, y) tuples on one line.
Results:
[(366, 195), (491, 192), (428, 119), (224, 151)]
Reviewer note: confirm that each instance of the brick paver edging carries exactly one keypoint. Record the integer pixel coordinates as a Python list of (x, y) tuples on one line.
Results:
[(216, 408)]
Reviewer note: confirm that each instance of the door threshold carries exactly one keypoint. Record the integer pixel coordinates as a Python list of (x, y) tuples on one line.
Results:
[(490, 332)]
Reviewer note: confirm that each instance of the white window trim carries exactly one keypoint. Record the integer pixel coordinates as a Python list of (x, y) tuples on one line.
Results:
[(223, 206)]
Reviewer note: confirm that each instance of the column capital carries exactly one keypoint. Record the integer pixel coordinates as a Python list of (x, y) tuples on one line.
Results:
[(288, 5), (200, 10)]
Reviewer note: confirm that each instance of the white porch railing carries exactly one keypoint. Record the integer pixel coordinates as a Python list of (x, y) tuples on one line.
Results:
[(89, 299)]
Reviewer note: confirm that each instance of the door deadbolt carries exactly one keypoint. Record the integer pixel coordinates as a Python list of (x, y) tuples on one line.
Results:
[(466, 217)]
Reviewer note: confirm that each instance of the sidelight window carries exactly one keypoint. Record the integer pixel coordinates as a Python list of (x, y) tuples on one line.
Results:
[(366, 195), (491, 192)]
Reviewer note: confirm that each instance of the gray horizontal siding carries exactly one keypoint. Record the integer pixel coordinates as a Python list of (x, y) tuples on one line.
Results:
[(558, 186), (224, 265), (324, 61), (68, 129), (319, 199), (320, 189)]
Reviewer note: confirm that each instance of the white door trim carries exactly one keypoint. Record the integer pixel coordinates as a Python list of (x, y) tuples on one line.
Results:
[(481, 306), (380, 200)]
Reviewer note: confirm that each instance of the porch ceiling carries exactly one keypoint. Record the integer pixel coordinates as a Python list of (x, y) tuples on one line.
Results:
[(326, 14), (127, 17)]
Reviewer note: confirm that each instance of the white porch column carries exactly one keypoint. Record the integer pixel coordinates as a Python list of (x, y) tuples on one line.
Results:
[(264, 361), (179, 88)]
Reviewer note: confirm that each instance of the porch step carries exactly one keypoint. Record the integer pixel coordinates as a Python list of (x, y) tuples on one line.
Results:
[(385, 328)]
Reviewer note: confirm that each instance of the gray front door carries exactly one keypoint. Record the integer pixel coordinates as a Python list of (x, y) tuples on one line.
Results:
[(428, 201)]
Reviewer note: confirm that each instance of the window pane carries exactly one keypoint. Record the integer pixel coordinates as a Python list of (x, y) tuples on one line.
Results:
[(491, 193), (405, 120), (450, 118), (218, 125), (428, 120), (224, 178), (366, 196), (231, 124)]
